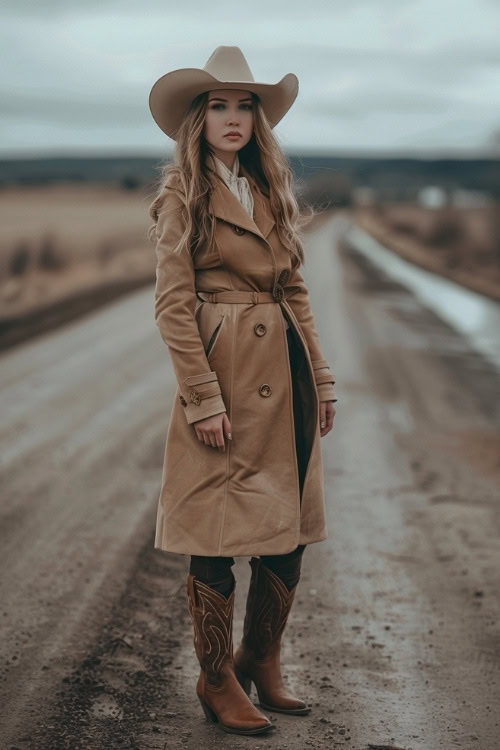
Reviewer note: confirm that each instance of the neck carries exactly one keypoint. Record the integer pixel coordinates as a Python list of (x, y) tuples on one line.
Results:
[(226, 157)]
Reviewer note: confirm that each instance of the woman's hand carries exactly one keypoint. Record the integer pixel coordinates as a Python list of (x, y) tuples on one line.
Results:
[(326, 416), (211, 430)]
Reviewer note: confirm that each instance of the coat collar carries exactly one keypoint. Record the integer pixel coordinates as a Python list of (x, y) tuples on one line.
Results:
[(225, 205)]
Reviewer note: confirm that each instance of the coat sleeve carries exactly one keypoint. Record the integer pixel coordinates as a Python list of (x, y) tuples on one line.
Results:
[(175, 303), (301, 308)]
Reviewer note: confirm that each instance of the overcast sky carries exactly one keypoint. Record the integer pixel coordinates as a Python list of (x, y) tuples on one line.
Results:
[(388, 76)]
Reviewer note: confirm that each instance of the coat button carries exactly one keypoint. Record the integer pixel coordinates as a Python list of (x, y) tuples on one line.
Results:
[(265, 390), (238, 230), (195, 397), (182, 400), (277, 292), (283, 277), (260, 329)]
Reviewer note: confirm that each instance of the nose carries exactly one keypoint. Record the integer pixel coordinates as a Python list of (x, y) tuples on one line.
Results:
[(233, 119)]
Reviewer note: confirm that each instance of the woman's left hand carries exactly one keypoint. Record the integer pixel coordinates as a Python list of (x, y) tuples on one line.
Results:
[(326, 416)]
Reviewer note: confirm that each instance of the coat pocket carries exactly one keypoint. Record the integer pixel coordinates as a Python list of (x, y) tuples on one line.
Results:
[(214, 337), (210, 320)]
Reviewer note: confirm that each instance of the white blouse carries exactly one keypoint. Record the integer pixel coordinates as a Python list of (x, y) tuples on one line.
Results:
[(237, 185)]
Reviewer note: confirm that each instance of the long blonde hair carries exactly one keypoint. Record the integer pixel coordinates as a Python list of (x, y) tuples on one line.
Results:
[(262, 157)]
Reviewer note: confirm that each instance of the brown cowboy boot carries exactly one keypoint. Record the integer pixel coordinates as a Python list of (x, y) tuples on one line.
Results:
[(257, 658), (221, 696)]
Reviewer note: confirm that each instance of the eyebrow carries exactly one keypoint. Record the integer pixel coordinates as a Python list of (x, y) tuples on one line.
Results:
[(221, 99)]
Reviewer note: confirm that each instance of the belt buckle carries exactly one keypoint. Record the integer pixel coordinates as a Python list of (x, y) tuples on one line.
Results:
[(283, 277), (277, 292)]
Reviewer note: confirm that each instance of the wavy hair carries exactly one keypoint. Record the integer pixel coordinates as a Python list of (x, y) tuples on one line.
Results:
[(262, 157)]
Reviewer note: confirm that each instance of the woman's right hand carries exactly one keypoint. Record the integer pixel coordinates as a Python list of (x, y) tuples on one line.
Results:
[(212, 430)]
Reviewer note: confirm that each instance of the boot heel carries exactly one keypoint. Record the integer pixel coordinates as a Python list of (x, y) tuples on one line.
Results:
[(244, 680), (210, 715)]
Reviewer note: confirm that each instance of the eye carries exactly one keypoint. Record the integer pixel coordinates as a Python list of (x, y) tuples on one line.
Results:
[(219, 104)]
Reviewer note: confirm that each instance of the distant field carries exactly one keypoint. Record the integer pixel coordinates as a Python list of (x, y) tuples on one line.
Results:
[(58, 238), (81, 219)]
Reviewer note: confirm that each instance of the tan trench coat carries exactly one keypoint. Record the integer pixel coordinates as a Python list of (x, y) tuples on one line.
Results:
[(245, 501)]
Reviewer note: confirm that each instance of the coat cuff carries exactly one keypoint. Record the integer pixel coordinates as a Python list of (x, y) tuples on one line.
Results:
[(324, 380), (201, 397)]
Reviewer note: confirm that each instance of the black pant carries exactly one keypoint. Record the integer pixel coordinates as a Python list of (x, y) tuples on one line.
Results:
[(216, 571), (297, 360)]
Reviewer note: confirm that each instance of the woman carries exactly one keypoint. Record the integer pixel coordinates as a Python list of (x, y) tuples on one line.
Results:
[(242, 470)]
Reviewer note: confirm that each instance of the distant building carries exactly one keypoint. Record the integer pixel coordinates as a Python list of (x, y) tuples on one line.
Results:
[(432, 196)]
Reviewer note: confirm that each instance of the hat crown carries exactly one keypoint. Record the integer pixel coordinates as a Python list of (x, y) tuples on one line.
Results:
[(227, 63)]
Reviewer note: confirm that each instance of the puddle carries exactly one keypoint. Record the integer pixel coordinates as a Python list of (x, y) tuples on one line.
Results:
[(474, 315)]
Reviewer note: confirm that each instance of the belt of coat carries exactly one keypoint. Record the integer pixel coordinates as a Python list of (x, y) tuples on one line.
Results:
[(249, 297)]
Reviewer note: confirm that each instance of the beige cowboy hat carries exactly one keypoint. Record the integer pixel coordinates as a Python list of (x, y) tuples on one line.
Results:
[(226, 68)]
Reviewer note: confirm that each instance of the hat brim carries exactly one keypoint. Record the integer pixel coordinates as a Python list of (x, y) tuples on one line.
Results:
[(172, 94)]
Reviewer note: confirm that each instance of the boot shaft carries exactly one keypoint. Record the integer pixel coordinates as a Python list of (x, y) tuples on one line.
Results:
[(212, 617), (269, 603)]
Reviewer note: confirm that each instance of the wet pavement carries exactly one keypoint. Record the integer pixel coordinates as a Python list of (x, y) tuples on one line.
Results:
[(394, 637)]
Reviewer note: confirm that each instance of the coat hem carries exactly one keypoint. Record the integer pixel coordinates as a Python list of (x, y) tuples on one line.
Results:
[(249, 553)]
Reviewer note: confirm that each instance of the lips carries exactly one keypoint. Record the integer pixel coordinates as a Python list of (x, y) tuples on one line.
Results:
[(232, 133)]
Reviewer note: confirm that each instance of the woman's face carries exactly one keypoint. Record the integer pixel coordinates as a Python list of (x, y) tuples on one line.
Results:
[(228, 110)]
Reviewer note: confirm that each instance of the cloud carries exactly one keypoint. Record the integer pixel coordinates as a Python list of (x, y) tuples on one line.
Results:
[(369, 70), (91, 112)]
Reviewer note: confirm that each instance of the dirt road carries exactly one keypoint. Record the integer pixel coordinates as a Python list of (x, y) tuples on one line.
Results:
[(394, 636)]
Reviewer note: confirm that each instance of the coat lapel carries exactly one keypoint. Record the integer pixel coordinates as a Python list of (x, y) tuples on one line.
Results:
[(225, 205)]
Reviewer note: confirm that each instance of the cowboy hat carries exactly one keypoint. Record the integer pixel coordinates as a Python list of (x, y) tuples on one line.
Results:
[(226, 68)]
